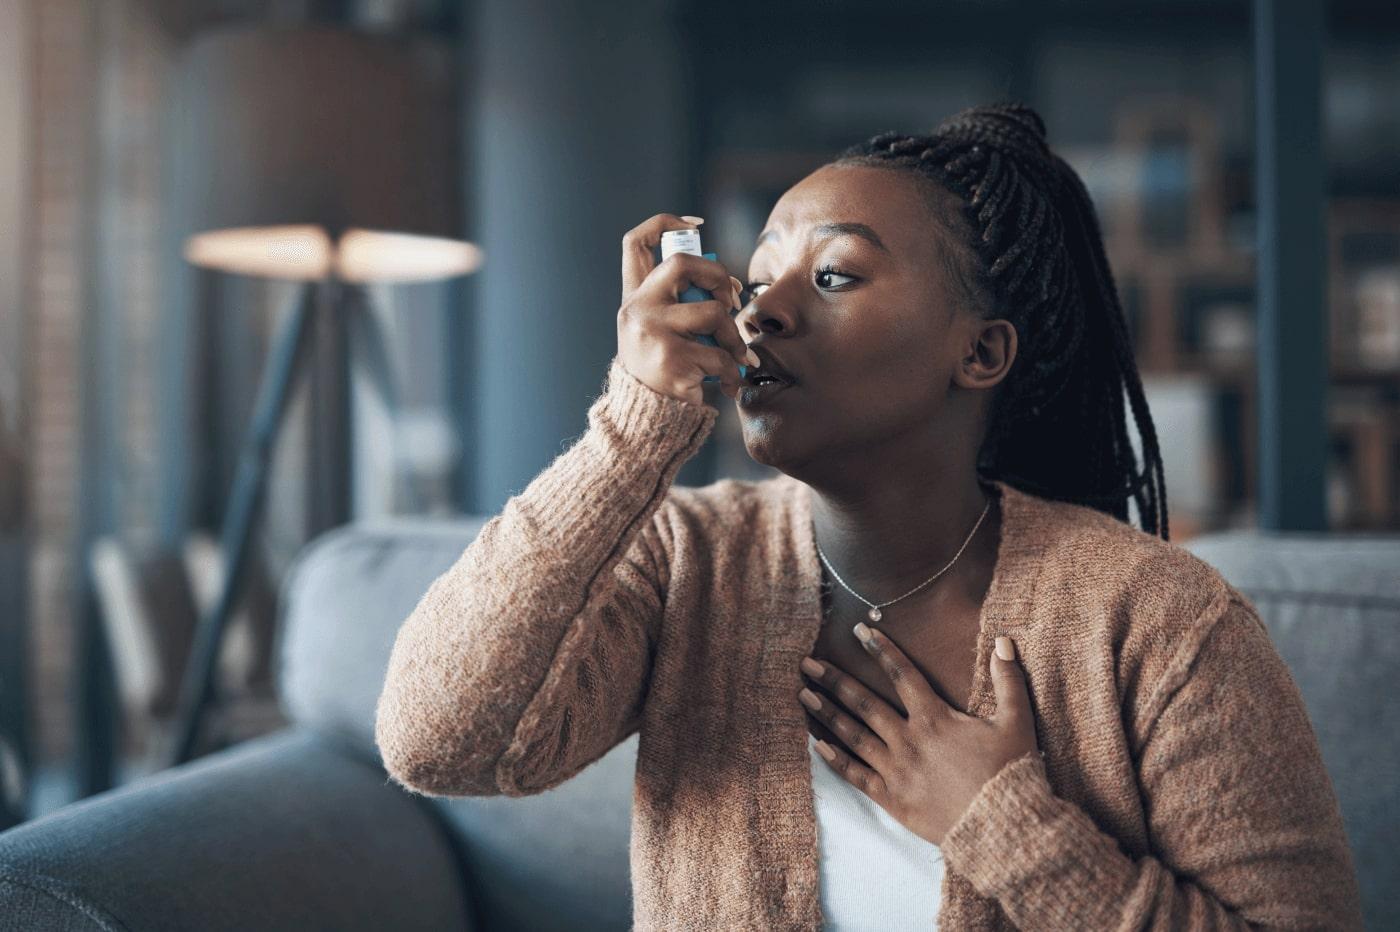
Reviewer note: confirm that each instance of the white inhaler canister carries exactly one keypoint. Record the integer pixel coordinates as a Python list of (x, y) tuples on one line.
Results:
[(688, 241)]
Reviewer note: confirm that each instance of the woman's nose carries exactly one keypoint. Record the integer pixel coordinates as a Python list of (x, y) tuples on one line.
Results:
[(770, 317), (758, 322)]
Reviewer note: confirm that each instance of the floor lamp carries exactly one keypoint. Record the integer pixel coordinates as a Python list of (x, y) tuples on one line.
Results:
[(320, 156)]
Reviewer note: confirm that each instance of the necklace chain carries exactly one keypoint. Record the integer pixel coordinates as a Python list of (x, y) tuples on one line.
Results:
[(875, 613)]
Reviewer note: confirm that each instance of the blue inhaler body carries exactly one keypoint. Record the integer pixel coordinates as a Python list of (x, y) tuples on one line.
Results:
[(674, 241)]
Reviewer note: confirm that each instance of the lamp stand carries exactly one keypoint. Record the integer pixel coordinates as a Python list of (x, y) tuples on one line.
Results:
[(245, 500), (327, 481)]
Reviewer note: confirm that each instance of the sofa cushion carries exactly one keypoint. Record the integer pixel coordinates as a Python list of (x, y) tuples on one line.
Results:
[(342, 603), (283, 831), (556, 860), (1332, 607)]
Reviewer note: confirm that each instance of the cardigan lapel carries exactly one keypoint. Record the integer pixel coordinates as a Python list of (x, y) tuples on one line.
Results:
[(786, 813)]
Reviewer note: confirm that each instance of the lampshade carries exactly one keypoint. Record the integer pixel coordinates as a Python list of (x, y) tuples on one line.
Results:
[(304, 252), (287, 139)]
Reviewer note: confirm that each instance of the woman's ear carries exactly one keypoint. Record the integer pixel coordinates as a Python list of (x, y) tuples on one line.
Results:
[(991, 351)]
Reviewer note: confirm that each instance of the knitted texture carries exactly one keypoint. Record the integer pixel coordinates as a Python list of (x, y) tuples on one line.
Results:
[(1181, 784)]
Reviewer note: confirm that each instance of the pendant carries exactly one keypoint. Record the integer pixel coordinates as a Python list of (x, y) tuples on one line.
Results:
[(874, 614)]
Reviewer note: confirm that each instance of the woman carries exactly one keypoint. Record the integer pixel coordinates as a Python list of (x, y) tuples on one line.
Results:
[(941, 369)]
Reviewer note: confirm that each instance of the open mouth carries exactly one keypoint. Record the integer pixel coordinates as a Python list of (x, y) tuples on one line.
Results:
[(759, 389), (763, 382)]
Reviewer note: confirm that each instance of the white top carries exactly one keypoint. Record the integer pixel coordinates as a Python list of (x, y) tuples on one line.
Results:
[(875, 873)]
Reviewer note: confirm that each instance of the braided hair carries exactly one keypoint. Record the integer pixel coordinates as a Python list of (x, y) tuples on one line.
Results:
[(1026, 247)]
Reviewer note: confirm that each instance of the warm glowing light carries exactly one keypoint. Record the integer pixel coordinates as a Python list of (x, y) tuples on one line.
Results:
[(305, 252), (301, 252), (379, 256)]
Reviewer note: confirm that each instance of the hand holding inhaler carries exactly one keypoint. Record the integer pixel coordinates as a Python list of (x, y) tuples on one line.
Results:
[(675, 328)]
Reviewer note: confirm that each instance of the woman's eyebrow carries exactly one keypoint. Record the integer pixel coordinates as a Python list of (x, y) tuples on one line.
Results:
[(828, 230)]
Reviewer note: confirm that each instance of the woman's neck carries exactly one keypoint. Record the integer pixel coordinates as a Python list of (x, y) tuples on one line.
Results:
[(885, 539)]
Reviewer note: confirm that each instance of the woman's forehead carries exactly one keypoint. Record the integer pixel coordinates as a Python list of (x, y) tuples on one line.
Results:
[(888, 202)]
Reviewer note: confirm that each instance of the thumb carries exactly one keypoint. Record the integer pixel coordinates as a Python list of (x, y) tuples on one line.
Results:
[(1009, 683)]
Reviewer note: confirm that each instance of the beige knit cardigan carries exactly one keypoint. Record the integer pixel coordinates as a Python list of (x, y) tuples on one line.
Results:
[(1181, 785)]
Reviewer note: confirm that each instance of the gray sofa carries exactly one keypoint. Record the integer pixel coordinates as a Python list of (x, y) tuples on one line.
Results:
[(302, 830)]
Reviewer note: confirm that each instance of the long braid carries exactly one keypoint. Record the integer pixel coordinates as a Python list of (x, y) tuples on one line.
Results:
[(1037, 259)]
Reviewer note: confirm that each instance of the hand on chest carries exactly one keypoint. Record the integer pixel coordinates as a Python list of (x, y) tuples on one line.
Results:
[(939, 636)]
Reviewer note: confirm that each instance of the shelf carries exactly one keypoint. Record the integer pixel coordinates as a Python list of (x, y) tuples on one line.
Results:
[(1244, 370)]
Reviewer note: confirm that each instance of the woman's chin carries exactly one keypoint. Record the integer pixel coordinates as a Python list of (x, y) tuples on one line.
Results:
[(766, 448)]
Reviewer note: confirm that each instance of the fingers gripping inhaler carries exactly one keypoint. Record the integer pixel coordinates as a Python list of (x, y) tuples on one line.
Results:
[(674, 241)]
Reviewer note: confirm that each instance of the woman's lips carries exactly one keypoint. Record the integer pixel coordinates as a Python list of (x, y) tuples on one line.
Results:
[(769, 364), (752, 395)]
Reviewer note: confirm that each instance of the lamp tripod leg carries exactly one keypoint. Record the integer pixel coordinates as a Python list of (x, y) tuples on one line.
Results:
[(245, 499)]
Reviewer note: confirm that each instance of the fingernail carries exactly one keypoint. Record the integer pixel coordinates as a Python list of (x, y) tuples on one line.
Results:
[(1006, 650), (812, 667), (862, 631), (809, 699), (754, 360), (695, 220), (825, 750), (734, 297)]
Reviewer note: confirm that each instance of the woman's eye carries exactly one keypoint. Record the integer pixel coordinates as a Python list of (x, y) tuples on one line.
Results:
[(752, 290), (829, 271)]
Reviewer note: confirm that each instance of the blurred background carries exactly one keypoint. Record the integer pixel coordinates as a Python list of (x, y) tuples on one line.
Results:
[(412, 303)]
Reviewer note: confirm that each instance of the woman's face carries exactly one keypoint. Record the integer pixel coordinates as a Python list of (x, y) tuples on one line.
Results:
[(850, 295)]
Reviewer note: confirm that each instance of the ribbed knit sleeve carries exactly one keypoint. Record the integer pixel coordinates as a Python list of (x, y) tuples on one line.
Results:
[(529, 658), (1245, 827)]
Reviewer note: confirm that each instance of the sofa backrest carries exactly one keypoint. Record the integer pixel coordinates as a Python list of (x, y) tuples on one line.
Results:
[(557, 860), (1332, 607), (341, 605), (560, 859)]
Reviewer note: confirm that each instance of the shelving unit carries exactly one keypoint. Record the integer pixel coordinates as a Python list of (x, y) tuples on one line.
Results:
[(1188, 293)]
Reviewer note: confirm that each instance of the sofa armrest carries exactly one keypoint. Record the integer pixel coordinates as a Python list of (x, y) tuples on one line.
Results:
[(283, 832)]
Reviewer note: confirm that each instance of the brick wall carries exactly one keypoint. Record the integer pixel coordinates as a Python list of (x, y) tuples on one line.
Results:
[(85, 131), (62, 94)]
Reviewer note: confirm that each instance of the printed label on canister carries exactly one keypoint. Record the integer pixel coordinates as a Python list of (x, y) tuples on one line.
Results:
[(674, 241)]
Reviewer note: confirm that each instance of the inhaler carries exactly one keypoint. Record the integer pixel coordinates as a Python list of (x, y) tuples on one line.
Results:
[(674, 241)]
